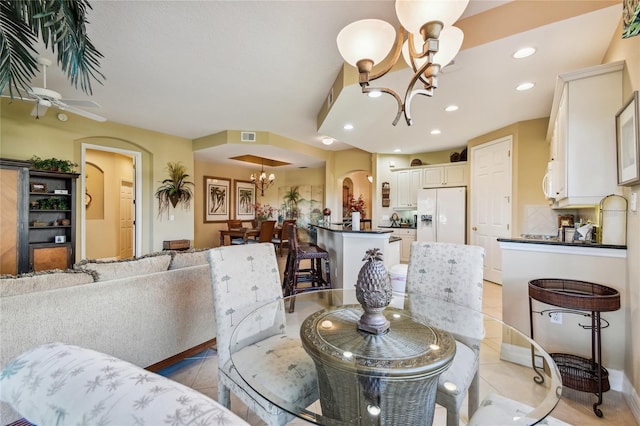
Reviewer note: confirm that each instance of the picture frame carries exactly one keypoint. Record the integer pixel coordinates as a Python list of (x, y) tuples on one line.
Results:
[(216, 199), (627, 135), (37, 187), (244, 199)]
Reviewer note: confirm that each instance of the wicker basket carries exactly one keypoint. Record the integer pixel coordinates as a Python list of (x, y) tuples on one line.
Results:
[(580, 373), (572, 294)]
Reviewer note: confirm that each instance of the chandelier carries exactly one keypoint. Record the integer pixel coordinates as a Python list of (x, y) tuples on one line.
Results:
[(432, 42), (261, 181)]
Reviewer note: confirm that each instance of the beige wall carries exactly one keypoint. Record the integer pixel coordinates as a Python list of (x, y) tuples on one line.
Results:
[(21, 136), (629, 50)]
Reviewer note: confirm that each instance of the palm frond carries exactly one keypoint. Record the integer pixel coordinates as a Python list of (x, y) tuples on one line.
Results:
[(61, 25)]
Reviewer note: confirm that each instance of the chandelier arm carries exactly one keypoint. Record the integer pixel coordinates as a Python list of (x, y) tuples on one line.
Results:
[(432, 47), (395, 57), (367, 89), (428, 91)]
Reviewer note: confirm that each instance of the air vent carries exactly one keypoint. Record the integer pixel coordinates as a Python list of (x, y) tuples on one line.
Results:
[(247, 136)]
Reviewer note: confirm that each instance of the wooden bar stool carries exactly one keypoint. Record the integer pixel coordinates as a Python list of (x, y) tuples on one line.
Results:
[(295, 275)]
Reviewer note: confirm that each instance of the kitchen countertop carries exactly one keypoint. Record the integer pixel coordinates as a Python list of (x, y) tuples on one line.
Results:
[(340, 228), (560, 243), (396, 227)]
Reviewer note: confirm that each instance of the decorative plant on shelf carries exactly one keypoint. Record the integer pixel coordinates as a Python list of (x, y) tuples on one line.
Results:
[(174, 190), (52, 164)]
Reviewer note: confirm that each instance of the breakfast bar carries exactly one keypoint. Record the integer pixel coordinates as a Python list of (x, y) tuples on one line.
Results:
[(347, 247)]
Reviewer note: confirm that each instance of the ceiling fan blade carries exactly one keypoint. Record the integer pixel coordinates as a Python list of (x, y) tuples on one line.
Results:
[(81, 112), (18, 98), (84, 103)]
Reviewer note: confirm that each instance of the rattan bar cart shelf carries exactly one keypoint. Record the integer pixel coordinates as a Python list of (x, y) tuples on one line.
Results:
[(579, 373)]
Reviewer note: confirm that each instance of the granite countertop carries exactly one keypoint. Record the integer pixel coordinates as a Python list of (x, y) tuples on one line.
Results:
[(560, 243), (394, 239), (397, 227), (340, 228)]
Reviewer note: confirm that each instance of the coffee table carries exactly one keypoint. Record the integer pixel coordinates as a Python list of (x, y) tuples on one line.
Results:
[(367, 387)]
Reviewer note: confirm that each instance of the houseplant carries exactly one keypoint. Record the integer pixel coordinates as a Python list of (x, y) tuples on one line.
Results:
[(174, 190), (52, 164)]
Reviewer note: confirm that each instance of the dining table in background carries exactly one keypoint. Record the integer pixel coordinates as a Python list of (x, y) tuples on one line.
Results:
[(245, 233)]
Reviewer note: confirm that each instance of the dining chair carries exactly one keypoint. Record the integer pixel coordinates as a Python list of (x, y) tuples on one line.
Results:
[(234, 224), (244, 278), (283, 237), (266, 232), (451, 273)]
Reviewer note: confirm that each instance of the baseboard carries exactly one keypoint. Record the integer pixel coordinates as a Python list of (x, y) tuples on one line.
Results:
[(182, 355), (521, 355), (632, 398)]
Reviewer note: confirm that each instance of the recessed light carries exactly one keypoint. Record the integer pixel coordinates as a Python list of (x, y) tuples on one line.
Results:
[(435, 132), (397, 150), (62, 117), (524, 52), (374, 94), (348, 126), (327, 141), (525, 86), (451, 108)]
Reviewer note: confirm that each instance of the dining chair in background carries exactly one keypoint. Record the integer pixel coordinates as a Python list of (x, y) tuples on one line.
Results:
[(451, 273), (266, 232), (245, 278), (234, 224)]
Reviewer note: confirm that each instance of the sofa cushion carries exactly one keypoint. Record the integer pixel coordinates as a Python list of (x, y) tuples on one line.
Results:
[(46, 280), (113, 270), (69, 385), (185, 259)]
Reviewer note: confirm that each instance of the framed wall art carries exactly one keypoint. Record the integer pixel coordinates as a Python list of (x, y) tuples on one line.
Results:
[(245, 199), (216, 199), (627, 134)]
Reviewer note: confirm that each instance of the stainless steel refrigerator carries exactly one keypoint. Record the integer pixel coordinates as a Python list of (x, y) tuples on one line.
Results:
[(442, 215)]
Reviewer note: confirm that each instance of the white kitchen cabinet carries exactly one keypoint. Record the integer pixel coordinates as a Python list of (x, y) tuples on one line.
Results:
[(582, 135), (408, 236), (407, 184), (444, 175)]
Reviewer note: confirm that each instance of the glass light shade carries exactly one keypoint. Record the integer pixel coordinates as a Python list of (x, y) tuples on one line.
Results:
[(366, 39), (450, 42), (272, 177), (413, 14)]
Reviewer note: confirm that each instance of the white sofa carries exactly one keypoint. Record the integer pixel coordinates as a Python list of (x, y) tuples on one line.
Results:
[(142, 311)]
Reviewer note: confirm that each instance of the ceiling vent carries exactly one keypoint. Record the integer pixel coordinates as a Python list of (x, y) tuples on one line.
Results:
[(247, 136)]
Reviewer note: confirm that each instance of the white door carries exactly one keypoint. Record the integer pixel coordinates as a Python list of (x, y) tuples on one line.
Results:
[(491, 202), (126, 219)]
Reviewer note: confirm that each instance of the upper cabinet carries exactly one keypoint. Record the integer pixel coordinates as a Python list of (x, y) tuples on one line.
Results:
[(454, 174), (405, 191), (582, 135)]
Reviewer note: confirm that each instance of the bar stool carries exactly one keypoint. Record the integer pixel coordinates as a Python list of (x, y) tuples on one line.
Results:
[(294, 274)]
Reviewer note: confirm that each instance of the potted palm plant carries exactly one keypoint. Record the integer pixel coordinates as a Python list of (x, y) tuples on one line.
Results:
[(175, 189)]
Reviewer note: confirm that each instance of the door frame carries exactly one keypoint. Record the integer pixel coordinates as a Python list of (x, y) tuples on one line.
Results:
[(137, 182)]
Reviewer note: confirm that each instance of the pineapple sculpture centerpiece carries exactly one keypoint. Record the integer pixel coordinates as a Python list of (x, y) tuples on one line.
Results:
[(373, 291)]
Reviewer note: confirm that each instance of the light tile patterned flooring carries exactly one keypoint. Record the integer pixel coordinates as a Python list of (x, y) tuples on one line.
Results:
[(200, 373)]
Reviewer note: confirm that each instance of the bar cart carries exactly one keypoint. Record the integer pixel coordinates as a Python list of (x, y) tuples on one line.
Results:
[(580, 298)]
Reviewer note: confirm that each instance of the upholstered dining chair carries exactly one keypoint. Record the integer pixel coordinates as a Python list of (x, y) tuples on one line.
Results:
[(235, 224), (244, 278), (452, 273), (283, 237)]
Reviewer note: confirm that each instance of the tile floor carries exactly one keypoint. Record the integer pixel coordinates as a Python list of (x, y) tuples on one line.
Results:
[(200, 373)]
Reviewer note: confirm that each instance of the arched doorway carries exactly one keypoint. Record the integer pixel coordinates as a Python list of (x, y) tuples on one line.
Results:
[(356, 184)]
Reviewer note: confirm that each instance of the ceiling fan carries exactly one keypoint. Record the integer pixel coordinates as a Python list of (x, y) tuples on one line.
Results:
[(45, 98)]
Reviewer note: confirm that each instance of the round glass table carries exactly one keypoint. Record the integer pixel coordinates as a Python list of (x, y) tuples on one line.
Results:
[(389, 379)]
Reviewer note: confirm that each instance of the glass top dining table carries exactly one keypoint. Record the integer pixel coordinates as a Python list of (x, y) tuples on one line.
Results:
[(350, 363)]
